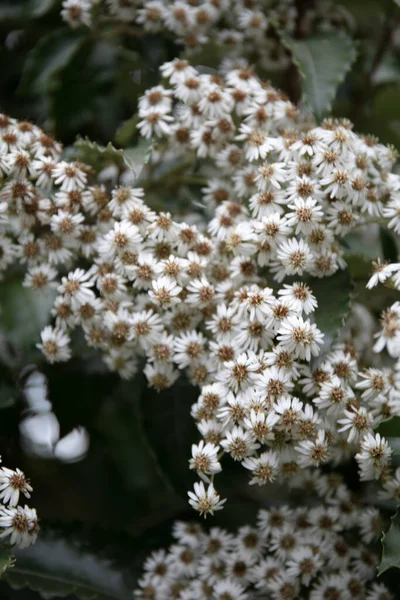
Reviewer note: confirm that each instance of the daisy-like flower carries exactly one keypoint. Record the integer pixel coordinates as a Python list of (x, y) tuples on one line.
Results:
[(305, 563), (263, 469), (77, 287), (299, 296), (205, 501), (55, 345), (305, 214), (359, 421), (374, 456), (40, 278), (239, 443), (313, 453), (123, 238), (20, 525), (12, 484), (205, 460), (381, 272), (300, 337), (229, 589), (165, 292), (295, 256), (71, 176)]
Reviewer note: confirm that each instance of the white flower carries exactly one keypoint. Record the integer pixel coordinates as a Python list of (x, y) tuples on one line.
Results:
[(304, 563), (12, 484), (205, 501), (295, 256), (300, 337), (40, 278), (160, 375), (70, 175), (374, 456), (299, 297), (77, 287), (263, 469), (165, 292), (123, 238), (306, 213), (359, 421), (382, 271), (313, 453), (205, 460), (20, 524), (55, 344), (229, 589), (239, 443)]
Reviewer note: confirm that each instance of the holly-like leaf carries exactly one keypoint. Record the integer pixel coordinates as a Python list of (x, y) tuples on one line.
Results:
[(61, 564), (50, 55), (334, 296), (24, 313), (391, 546), (96, 155), (323, 61)]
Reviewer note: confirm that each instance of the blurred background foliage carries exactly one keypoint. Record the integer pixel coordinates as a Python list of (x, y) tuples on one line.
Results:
[(102, 515)]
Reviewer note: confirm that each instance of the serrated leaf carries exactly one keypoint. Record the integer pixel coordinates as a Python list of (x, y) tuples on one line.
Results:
[(99, 156), (391, 546), (51, 54), (334, 301), (96, 155), (60, 565), (24, 313), (323, 61)]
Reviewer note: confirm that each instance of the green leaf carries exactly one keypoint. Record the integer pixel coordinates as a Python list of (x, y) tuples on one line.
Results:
[(60, 565), (6, 561), (384, 120), (390, 428), (24, 9), (96, 155), (391, 546), (24, 313), (7, 397), (51, 54), (323, 61), (334, 296), (127, 131), (170, 430), (119, 424), (135, 158)]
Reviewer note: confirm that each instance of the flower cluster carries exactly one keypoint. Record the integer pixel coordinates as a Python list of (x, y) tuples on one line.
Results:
[(224, 292), (18, 525), (241, 29), (315, 553)]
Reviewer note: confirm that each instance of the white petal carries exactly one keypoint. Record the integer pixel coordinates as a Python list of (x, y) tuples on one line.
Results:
[(73, 446)]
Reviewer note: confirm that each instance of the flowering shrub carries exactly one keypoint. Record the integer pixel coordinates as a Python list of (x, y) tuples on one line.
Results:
[(212, 308)]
